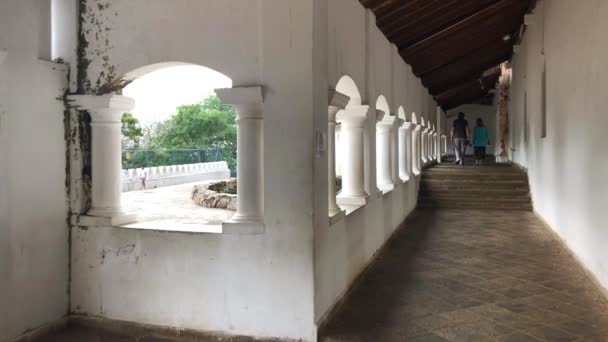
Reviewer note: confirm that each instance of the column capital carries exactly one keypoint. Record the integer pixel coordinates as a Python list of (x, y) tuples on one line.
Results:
[(380, 115), (103, 108), (387, 121), (337, 102), (406, 125), (337, 99), (3, 55), (416, 127), (247, 100), (353, 115)]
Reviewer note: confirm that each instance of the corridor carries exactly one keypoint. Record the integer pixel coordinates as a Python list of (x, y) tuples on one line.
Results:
[(466, 275)]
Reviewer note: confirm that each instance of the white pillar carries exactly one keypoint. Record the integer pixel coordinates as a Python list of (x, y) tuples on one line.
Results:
[(247, 102), (417, 149), (337, 102), (430, 155), (352, 121), (405, 151), (424, 140), (384, 133), (433, 145), (106, 160)]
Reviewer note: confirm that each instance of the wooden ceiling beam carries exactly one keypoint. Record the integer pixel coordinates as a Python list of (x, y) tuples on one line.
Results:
[(468, 92), (499, 12), (450, 48), (482, 82), (469, 66), (408, 30)]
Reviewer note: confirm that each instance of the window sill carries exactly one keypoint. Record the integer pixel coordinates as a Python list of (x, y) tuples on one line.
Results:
[(179, 225), (337, 218), (386, 189), (54, 65)]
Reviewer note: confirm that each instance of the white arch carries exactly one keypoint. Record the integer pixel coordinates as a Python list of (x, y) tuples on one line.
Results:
[(401, 113), (347, 86), (382, 104), (159, 88), (141, 71)]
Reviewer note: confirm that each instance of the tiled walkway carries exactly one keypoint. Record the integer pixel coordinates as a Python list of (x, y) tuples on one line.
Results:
[(455, 275)]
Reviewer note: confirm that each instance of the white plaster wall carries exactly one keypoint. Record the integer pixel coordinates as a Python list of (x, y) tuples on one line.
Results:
[(257, 285), (472, 112), (567, 169), (33, 201), (344, 249)]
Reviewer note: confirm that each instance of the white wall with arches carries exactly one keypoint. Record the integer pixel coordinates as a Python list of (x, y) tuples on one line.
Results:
[(239, 282), (233, 283), (343, 248)]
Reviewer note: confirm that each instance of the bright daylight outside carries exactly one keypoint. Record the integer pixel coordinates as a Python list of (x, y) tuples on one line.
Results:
[(179, 151)]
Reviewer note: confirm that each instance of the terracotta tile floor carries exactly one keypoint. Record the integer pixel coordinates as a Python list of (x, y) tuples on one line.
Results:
[(457, 275)]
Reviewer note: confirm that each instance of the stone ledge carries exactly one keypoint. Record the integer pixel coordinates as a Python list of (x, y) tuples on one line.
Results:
[(104, 221), (243, 228), (337, 218)]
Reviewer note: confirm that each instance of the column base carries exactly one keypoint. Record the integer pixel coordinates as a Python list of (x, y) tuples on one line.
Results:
[(353, 200), (334, 211), (386, 188)]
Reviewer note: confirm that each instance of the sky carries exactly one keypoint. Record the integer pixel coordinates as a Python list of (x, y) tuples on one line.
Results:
[(158, 94)]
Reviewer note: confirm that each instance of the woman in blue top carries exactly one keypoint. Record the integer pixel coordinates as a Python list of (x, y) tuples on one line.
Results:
[(481, 139)]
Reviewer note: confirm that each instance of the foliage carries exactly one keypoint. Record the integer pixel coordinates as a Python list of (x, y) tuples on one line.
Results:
[(131, 131), (202, 130)]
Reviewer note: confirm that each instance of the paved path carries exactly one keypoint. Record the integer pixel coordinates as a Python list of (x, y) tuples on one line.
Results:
[(457, 275), (171, 208)]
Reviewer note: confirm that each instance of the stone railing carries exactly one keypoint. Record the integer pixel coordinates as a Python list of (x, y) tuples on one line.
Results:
[(162, 176)]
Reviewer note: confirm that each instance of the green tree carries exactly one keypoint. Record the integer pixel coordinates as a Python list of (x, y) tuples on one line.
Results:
[(131, 131), (209, 124)]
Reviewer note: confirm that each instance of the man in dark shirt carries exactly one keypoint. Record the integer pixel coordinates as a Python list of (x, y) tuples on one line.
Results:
[(460, 132)]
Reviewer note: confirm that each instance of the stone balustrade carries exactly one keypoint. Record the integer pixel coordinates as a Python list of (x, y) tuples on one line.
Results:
[(162, 176)]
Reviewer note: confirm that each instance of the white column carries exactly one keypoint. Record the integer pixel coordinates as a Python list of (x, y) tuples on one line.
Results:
[(247, 102), (430, 155), (352, 121), (337, 102), (417, 149), (384, 132), (106, 160), (405, 151), (424, 140), (434, 143)]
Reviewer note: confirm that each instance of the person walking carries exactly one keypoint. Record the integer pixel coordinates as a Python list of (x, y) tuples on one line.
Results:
[(142, 174), (459, 134), (481, 139)]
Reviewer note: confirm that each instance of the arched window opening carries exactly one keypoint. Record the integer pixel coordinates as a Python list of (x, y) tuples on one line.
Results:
[(423, 142), (349, 148), (404, 149), (165, 150), (178, 136), (384, 134), (415, 138)]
